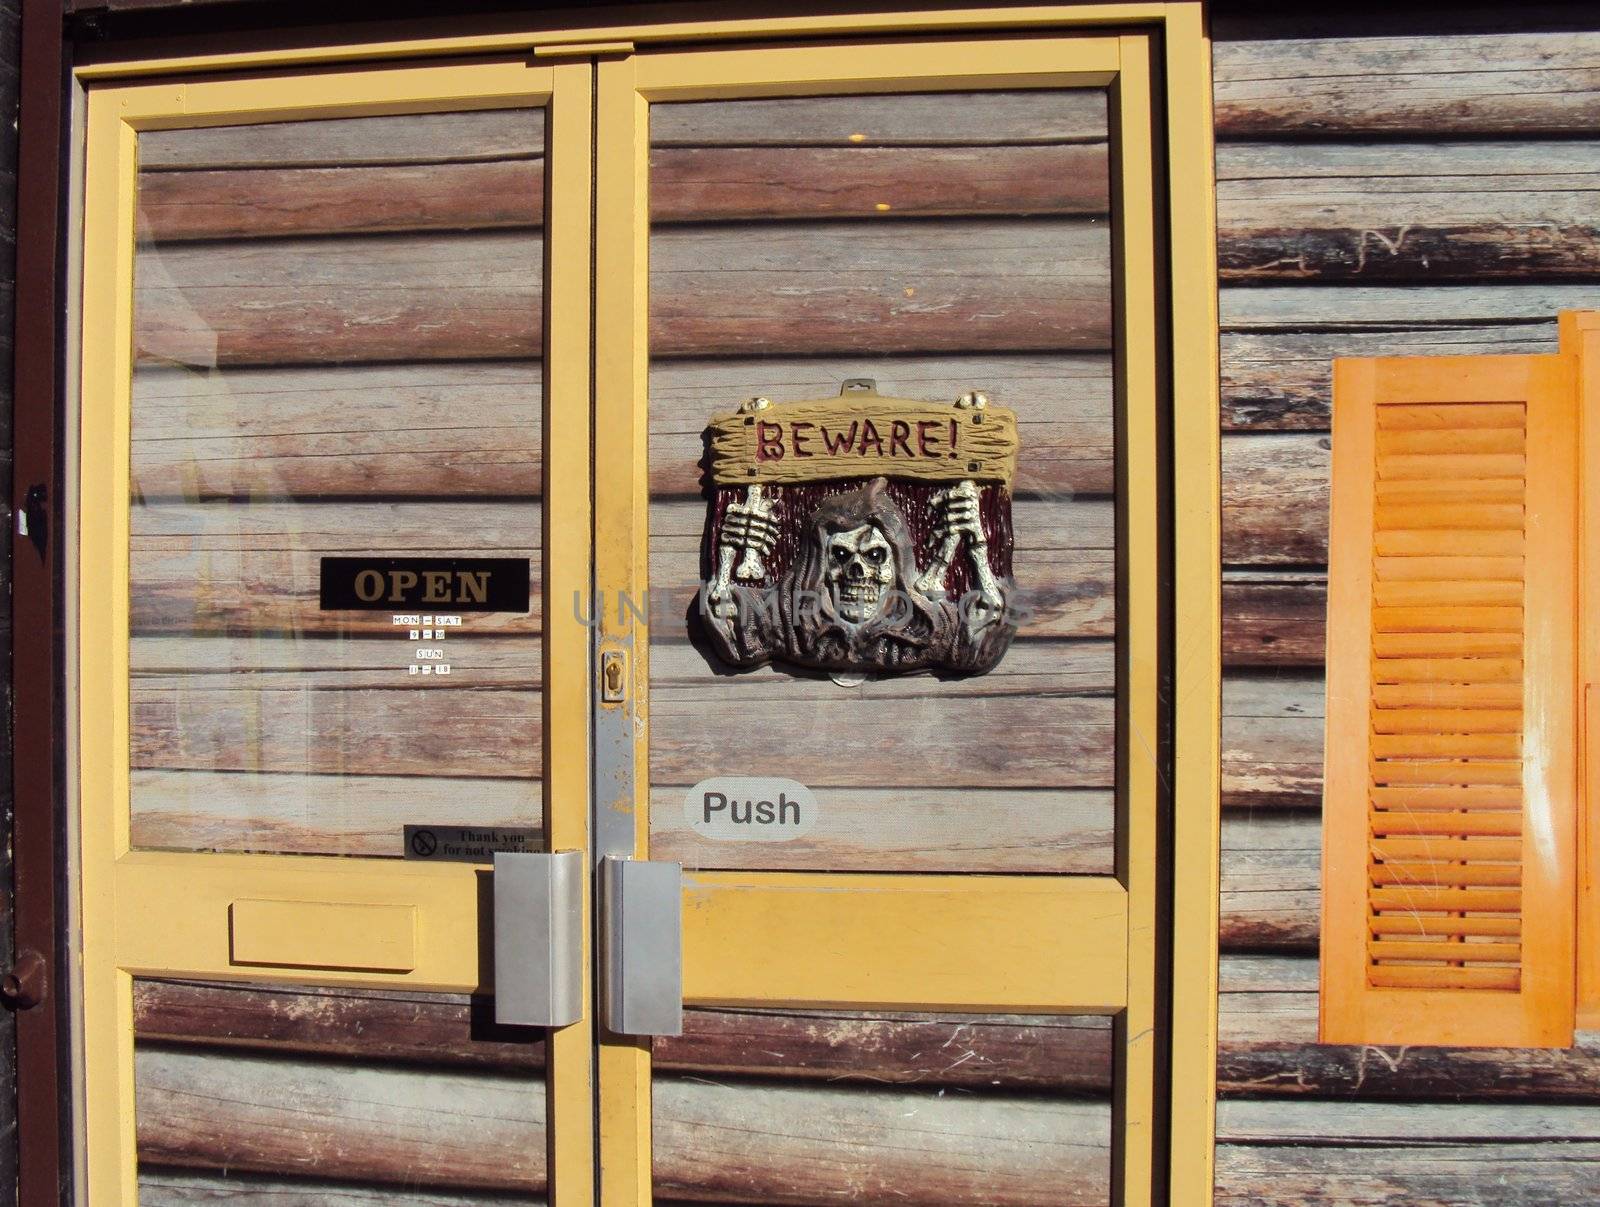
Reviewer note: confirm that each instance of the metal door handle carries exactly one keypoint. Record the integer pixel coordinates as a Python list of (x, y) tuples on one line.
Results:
[(641, 915), (538, 942), (538, 938)]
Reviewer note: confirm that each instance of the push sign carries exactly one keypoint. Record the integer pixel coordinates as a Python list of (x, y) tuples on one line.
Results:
[(747, 808)]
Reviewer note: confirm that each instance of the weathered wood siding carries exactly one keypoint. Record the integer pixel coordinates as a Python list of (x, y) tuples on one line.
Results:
[(1379, 193)]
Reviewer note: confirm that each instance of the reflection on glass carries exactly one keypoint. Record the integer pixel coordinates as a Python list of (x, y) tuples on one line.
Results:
[(338, 353), (298, 1095), (825, 1106)]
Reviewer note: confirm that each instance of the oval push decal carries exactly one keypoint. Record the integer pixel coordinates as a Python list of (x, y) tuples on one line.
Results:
[(750, 808)]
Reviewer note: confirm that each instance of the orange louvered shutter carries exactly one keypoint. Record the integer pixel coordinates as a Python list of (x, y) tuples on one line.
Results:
[(1449, 848)]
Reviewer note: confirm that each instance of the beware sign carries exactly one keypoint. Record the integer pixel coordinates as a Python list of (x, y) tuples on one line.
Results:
[(858, 535)]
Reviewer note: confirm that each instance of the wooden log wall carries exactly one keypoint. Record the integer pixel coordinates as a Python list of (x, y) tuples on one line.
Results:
[(1415, 192), (1270, 1063)]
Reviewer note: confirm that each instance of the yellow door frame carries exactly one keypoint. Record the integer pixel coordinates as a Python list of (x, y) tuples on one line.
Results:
[(965, 942), (175, 913), (1166, 42)]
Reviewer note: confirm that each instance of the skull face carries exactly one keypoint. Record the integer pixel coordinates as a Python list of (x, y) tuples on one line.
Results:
[(860, 573)]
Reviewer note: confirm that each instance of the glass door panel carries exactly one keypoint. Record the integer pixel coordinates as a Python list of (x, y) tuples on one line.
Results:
[(807, 1106), (319, 535), (250, 1093), (338, 353), (936, 244)]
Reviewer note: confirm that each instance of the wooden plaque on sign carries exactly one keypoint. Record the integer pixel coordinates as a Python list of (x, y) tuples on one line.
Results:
[(854, 437)]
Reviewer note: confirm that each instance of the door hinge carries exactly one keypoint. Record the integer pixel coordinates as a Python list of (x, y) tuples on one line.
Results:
[(25, 985), (33, 517)]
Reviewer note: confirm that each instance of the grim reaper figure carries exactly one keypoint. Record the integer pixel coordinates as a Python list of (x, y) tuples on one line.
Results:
[(852, 598)]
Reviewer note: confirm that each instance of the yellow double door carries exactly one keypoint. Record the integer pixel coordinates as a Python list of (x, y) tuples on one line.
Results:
[(247, 760)]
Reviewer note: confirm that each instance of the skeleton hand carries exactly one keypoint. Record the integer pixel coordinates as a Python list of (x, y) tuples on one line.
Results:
[(749, 527), (958, 515), (956, 519), (749, 530), (748, 536)]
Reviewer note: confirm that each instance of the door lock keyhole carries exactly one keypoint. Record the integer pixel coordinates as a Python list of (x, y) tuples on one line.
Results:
[(613, 677)]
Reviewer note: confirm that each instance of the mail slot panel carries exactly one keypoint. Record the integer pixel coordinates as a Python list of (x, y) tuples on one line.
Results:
[(318, 934), (336, 472)]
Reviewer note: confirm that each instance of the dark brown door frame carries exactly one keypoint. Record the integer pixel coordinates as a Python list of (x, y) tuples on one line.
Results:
[(32, 987)]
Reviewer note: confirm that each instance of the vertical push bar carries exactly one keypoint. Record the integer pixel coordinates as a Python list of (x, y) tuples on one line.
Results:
[(641, 911), (538, 938)]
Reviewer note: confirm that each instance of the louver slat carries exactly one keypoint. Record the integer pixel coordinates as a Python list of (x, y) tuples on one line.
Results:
[(1449, 854)]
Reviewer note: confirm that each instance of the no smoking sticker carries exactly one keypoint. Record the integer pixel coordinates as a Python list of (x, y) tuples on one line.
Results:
[(469, 844)]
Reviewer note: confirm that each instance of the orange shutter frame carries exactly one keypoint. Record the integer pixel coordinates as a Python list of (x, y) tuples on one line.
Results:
[(1450, 801), (1580, 342)]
